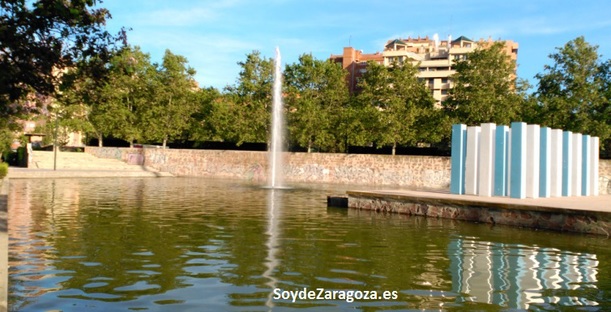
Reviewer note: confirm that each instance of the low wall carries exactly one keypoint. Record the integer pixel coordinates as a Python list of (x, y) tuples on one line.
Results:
[(430, 172), (449, 207), (113, 152)]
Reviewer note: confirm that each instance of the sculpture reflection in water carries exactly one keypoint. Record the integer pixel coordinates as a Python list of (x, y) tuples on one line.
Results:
[(521, 276)]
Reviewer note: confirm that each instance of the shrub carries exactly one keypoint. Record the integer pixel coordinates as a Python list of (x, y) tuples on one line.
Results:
[(3, 170)]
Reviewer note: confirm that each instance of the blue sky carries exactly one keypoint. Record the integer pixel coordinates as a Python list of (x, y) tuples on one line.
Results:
[(215, 35)]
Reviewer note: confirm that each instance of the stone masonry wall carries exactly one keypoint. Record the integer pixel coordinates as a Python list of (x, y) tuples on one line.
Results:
[(421, 172), (112, 152), (583, 222)]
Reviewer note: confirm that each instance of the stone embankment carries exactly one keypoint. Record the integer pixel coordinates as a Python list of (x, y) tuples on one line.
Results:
[(422, 172), (414, 172)]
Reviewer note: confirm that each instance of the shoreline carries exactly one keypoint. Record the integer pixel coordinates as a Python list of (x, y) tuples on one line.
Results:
[(587, 214)]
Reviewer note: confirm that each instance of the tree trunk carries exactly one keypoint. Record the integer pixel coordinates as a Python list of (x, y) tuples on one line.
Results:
[(100, 140), (309, 147), (394, 149), (165, 142)]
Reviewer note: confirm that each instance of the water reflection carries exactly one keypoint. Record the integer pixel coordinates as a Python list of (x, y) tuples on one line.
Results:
[(273, 216), (184, 244), (521, 276)]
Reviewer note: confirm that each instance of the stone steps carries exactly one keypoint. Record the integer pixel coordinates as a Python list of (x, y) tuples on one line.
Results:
[(77, 165), (73, 160)]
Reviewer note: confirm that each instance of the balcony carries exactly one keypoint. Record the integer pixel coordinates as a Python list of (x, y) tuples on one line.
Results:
[(436, 74)]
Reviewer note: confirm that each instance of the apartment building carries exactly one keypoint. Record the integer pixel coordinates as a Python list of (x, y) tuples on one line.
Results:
[(355, 62), (435, 59)]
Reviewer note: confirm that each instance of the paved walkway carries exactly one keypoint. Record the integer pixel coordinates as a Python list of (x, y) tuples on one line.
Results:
[(79, 165)]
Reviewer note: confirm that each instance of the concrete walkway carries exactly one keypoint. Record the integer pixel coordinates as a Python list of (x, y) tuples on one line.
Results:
[(79, 165)]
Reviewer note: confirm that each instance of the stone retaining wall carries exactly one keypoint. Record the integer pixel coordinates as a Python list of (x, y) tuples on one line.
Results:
[(582, 221), (423, 172)]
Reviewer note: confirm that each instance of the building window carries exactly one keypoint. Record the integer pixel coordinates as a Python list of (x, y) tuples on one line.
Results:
[(444, 91), (444, 80)]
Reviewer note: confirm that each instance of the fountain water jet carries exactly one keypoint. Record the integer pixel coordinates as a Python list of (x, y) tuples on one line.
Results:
[(275, 151)]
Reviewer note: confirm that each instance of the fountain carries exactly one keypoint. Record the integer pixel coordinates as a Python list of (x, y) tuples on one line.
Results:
[(275, 179), (275, 159)]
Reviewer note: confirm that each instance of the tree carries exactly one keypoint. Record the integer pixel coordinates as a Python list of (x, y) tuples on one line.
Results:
[(316, 95), (399, 102), (174, 102), (573, 92), (250, 99), (118, 104), (602, 114), (484, 88), (39, 39), (204, 124)]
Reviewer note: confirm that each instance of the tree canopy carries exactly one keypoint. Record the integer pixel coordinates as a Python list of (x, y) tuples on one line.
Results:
[(250, 100), (169, 111), (484, 88), (316, 94), (55, 51), (398, 100), (574, 92), (40, 39)]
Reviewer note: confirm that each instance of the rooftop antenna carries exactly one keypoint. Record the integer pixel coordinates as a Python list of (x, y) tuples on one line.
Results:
[(436, 39)]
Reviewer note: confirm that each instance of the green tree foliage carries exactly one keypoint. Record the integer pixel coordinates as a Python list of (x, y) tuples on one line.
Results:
[(573, 92), (249, 102), (484, 88), (38, 39), (399, 102), (204, 126), (122, 99), (168, 113), (316, 96)]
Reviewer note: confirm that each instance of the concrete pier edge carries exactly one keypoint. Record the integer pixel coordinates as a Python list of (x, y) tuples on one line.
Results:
[(557, 214)]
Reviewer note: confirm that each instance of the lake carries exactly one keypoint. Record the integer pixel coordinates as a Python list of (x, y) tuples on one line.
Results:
[(193, 244)]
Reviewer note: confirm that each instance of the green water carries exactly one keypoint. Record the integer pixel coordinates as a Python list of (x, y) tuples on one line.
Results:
[(188, 244)]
